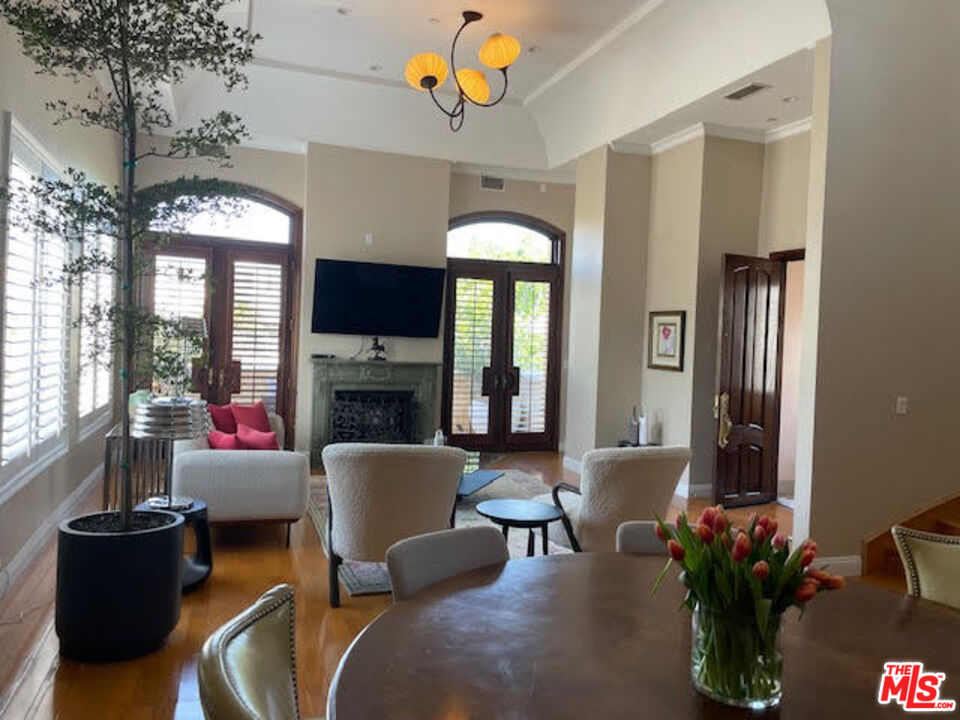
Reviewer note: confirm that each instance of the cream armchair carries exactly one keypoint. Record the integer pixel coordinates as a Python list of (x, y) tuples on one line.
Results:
[(616, 485), (932, 564), (244, 485), (379, 494)]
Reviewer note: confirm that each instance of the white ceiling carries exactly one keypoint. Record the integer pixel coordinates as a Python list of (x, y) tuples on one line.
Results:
[(603, 68), (316, 36)]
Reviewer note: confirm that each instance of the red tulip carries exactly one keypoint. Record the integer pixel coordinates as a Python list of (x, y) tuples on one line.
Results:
[(763, 521), (707, 517), (719, 522), (772, 528), (741, 548), (805, 592), (835, 582), (659, 531), (727, 540), (759, 534), (779, 542), (810, 545), (706, 534), (680, 521), (807, 557), (761, 569), (676, 550), (817, 574)]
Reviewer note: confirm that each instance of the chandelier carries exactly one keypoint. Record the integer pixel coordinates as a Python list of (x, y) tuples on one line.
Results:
[(428, 71)]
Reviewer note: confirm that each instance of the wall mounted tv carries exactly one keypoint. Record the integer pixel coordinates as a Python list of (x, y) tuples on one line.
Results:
[(357, 298)]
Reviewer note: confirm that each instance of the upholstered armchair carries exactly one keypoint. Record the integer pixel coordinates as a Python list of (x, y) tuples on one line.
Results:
[(932, 564), (244, 485), (616, 485), (248, 667), (379, 494)]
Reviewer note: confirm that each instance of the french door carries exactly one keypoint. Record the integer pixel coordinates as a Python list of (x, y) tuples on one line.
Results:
[(244, 296), (501, 351)]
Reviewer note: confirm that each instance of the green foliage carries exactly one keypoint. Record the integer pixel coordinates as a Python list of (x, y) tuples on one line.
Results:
[(134, 50)]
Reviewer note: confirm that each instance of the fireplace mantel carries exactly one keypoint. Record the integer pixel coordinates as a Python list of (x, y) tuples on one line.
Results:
[(333, 374)]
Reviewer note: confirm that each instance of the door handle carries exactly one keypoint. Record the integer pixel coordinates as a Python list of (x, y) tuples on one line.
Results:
[(725, 424)]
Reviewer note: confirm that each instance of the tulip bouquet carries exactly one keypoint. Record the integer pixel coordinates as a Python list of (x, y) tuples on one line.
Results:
[(739, 582)]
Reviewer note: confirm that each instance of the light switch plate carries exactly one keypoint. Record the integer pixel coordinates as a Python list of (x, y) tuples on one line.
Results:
[(901, 405)]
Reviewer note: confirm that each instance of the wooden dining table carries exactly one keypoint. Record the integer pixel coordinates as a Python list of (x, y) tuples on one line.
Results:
[(581, 636)]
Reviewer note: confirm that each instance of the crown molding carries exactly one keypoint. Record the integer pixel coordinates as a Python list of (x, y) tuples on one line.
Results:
[(789, 130), (678, 138), (608, 37), (728, 132), (630, 148)]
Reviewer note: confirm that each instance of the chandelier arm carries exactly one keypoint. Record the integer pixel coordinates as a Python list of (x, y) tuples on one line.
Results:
[(503, 93), (448, 113), (453, 53)]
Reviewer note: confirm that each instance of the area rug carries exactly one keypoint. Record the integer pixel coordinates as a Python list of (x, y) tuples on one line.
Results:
[(364, 578)]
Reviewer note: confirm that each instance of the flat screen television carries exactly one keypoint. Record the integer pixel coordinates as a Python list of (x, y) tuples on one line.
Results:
[(358, 298)]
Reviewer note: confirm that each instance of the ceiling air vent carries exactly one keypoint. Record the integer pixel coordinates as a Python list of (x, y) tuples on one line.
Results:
[(746, 91), (489, 182)]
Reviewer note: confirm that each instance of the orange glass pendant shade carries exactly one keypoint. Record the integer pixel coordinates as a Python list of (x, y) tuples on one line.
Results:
[(474, 85), (425, 71), (499, 51)]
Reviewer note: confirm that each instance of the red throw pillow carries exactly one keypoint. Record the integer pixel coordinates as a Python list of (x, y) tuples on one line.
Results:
[(253, 439), (222, 416), (218, 440), (253, 416)]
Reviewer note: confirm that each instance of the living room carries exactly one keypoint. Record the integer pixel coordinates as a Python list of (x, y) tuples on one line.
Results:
[(707, 233)]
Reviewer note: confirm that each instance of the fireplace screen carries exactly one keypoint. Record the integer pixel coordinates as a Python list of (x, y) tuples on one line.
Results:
[(383, 416)]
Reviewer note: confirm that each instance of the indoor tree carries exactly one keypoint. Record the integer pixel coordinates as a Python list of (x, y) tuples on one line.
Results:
[(133, 51)]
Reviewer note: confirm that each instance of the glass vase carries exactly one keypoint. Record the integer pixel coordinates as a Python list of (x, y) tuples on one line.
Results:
[(734, 661)]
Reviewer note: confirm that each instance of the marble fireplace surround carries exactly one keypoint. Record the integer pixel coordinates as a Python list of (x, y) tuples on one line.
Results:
[(333, 374)]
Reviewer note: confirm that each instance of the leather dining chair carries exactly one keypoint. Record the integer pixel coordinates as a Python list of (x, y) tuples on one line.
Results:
[(421, 561), (616, 485), (379, 494), (931, 562), (248, 668)]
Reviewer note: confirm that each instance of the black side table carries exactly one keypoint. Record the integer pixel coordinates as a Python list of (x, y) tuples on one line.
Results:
[(197, 567), (528, 514)]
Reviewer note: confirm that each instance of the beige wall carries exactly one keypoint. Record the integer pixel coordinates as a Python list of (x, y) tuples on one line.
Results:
[(783, 212), (729, 217), (790, 377), (672, 260), (889, 288), (551, 202), (585, 304), (279, 173), (404, 202), (23, 93)]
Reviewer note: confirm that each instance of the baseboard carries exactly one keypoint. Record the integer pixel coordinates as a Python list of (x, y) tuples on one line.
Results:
[(571, 464), (848, 565), (685, 490), (41, 536)]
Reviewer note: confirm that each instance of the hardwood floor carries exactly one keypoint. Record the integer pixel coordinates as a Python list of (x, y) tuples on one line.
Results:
[(248, 561)]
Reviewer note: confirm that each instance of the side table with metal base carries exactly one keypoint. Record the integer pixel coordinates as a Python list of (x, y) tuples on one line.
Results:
[(197, 567), (528, 514)]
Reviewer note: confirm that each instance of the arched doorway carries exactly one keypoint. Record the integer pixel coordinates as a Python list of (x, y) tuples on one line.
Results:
[(239, 276), (501, 370)]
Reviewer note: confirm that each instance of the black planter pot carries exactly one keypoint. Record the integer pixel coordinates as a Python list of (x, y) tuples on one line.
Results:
[(118, 593)]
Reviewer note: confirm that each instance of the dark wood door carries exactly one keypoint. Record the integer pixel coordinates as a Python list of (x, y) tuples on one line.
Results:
[(748, 389), (501, 351)]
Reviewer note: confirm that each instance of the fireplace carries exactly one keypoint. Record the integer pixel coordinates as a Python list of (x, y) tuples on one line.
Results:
[(372, 401), (382, 416)]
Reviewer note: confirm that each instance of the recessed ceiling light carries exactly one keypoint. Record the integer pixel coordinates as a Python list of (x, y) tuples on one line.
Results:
[(533, 49), (790, 99), (434, 21), (773, 119), (343, 10), (376, 67)]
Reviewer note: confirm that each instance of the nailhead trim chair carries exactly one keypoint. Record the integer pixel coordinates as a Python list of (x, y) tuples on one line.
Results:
[(421, 561), (931, 562), (248, 667)]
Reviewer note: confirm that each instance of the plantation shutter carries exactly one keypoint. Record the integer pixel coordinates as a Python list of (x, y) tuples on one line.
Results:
[(472, 345), (95, 377), (531, 354), (36, 323), (256, 316)]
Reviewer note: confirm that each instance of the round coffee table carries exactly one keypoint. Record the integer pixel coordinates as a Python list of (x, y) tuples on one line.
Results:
[(528, 514)]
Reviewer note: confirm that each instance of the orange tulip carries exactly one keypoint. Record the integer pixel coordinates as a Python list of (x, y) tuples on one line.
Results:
[(807, 557), (761, 570), (741, 548), (676, 550), (707, 517), (835, 582), (759, 534), (706, 533), (817, 574), (772, 528), (720, 522), (805, 592)]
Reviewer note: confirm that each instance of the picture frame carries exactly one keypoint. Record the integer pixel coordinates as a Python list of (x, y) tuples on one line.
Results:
[(666, 340)]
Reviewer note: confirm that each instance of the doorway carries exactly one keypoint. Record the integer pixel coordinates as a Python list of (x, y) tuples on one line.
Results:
[(758, 378), (238, 278), (501, 369)]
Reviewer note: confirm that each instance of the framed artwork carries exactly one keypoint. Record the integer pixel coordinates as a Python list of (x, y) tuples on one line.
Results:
[(667, 331)]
